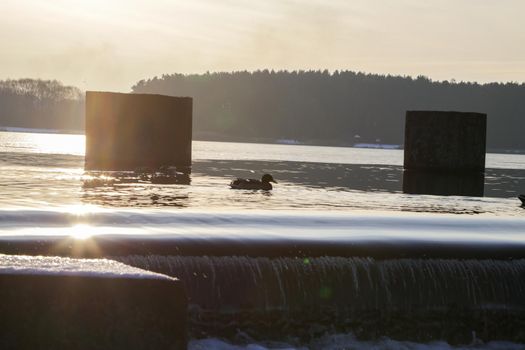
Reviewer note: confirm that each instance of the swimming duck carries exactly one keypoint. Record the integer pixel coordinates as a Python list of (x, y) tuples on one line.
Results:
[(522, 199), (252, 184)]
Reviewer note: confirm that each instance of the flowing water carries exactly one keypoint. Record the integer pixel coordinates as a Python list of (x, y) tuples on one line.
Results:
[(324, 194)]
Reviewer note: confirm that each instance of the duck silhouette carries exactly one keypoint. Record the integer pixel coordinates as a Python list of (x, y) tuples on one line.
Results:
[(252, 184)]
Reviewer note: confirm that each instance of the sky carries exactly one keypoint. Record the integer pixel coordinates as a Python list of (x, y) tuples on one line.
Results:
[(111, 44)]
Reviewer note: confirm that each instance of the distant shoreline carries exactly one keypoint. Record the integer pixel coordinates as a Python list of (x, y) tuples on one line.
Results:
[(40, 131), (220, 138)]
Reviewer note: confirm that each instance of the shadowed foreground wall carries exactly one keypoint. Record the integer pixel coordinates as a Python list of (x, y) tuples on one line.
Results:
[(52, 303), (129, 131)]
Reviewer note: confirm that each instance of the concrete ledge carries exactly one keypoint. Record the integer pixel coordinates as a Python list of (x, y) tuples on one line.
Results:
[(61, 303), (122, 245)]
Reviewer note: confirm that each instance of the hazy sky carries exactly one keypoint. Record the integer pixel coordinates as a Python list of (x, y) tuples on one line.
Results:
[(111, 44)]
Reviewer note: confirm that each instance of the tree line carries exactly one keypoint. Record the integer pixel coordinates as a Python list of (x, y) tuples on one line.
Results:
[(315, 107), (335, 108), (41, 104)]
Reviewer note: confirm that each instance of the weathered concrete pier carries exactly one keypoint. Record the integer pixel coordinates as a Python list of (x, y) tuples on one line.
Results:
[(130, 131), (444, 153)]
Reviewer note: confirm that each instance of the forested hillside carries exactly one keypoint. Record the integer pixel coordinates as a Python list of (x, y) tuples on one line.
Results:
[(41, 104), (339, 108), (317, 107)]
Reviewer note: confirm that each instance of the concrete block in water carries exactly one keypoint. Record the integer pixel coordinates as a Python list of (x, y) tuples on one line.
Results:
[(444, 153), (130, 131), (61, 303), (453, 141), (471, 183)]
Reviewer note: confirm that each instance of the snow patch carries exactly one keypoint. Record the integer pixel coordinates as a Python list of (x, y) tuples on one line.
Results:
[(58, 266)]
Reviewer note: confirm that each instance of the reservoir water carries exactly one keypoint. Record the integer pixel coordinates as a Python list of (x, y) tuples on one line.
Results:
[(46, 171), (323, 195)]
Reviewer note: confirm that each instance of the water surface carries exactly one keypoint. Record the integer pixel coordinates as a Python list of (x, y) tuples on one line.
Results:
[(46, 170)]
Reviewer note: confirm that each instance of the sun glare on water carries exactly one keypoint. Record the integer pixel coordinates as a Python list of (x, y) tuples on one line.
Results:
[(81, 210), (46, 143), (81, 228), (60, 144), (81, 231)]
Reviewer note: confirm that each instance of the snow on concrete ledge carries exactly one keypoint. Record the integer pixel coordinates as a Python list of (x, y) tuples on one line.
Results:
[(41, 265)]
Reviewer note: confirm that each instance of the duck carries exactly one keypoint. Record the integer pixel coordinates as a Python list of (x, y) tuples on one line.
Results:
[(253, 184), (522, 199)]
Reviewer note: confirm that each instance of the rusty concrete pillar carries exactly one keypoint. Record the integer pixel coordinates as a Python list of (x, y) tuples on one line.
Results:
[(130, 131), (444, 153)]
